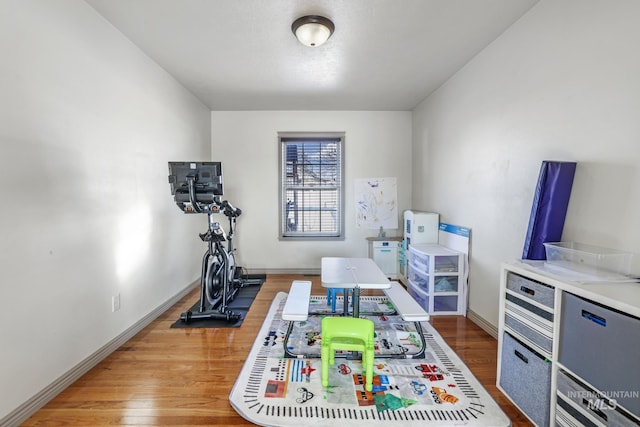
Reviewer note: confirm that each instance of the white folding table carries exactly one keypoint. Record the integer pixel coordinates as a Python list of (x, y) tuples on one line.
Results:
[(354, 274)]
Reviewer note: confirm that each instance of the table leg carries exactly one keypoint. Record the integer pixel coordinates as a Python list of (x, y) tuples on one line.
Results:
[(355, 298), (345, 311)]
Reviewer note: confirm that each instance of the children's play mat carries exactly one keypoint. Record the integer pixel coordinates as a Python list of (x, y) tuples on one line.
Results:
[(418, 380)]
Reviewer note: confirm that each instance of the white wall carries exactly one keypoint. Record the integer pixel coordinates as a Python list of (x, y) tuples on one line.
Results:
[(377, 144), (561, 84), (87, 126)]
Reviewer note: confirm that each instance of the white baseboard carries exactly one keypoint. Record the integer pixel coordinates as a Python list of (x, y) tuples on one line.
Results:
[(31, 406), (482, 323)]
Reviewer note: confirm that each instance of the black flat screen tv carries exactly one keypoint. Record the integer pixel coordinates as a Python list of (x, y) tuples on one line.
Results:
[(206, 177)]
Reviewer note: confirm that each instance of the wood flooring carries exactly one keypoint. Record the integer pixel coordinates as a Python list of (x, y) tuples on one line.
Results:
[(183, 377)]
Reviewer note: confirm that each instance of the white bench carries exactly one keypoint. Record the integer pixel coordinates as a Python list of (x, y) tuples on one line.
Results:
[(297, 306), (405, 305)]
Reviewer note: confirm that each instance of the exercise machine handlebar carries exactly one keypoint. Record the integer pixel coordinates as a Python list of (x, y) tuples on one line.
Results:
[(229, 210)]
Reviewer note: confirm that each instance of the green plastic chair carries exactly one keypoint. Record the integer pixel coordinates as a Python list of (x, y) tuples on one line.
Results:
[(347, 333)]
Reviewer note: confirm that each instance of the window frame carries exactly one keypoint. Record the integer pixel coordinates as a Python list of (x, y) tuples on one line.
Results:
[(311, 137)]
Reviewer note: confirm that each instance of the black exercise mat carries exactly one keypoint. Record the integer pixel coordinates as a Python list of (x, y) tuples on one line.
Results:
[(240, 305)]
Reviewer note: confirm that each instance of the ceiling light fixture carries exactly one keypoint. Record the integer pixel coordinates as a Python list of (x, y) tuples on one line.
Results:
[(312, 30)]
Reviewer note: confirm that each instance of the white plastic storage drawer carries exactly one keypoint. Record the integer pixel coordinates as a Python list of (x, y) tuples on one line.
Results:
[(441, 283), (445, 303), (445, 284), (446, 264), (525, 376), (588, 405), (602, 346), (536, 291), (420, 260), (444, 260), (418, 277), (419, 295)]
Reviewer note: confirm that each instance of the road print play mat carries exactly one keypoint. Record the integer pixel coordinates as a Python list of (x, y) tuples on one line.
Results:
[(412, 386)]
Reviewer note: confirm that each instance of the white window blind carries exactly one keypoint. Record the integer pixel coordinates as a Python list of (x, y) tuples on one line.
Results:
[(311, 196)]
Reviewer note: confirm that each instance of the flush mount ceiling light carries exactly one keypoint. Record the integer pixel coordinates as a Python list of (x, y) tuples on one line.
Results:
[(312, 30)]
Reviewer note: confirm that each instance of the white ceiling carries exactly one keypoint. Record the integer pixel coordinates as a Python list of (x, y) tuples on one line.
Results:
[(242, 55)]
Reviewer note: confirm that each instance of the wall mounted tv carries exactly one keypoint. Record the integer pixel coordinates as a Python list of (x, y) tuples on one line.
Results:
[(205, 176)]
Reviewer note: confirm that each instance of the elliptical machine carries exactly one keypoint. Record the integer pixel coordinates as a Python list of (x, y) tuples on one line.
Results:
[(197, 187)]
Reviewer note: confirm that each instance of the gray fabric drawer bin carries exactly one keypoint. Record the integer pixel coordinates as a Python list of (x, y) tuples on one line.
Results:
[(526, 377), (602, 346), (592, 403), (536, 337), (529, 321), (539, 292)]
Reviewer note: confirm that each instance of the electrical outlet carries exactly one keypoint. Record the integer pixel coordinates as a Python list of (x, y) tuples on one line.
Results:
[(115, 303)]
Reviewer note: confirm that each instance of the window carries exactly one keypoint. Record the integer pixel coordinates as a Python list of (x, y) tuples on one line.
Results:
[(311, 193)]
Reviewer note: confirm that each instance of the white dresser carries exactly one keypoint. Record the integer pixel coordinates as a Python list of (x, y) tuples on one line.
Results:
[(569, 353)]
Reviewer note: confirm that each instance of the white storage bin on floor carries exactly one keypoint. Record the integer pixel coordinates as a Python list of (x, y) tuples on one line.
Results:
[(437, 273)]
